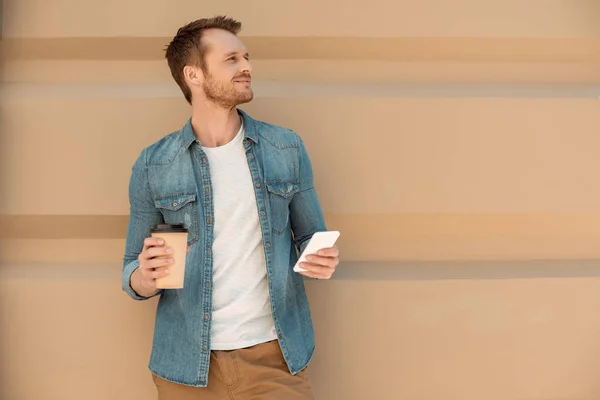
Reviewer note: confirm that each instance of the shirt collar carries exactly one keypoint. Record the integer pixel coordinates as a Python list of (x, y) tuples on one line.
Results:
[(188, 136)]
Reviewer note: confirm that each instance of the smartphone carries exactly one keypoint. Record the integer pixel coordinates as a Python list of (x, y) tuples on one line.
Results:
[(319, 240)]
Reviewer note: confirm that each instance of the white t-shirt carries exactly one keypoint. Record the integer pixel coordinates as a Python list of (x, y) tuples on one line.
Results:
[(241, 310)]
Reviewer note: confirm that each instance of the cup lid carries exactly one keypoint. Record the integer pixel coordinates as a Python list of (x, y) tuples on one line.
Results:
[(166, 228)]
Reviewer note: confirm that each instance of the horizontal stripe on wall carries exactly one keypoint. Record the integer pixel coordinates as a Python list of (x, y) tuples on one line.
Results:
[(310, 71), (374, 18), (25, 91), (91, 270), (385, 237), (340, 48)]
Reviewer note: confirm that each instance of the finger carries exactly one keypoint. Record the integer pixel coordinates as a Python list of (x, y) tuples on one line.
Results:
[(188, 249), (313, 275), (155, 263), (158, 273), (330, 262), (160, 262), (319, 270), (159, 251), (151, 241), (329, 252)]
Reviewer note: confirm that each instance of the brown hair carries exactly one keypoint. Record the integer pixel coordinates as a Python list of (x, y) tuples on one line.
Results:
[(187, 48)]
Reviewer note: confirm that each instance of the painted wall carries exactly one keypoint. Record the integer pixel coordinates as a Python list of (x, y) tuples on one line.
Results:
[(454, 146)]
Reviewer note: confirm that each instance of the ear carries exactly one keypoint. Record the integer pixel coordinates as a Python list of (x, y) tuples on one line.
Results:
[(193, 75)]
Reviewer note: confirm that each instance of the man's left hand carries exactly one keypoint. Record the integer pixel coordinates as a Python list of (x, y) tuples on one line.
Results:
[(322, 265)]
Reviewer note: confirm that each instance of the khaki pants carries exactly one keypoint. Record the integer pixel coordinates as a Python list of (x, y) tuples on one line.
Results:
[(255, 373)]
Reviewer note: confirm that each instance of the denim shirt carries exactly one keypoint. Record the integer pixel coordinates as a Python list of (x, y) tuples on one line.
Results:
[(171, 183)]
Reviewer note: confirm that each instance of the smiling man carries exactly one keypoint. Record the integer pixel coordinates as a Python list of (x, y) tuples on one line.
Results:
[(241, 327)]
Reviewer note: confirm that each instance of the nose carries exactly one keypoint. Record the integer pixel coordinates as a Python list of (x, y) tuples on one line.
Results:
[(245, 66)]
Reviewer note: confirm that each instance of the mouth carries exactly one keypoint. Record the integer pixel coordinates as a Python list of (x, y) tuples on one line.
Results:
[(245, 80)]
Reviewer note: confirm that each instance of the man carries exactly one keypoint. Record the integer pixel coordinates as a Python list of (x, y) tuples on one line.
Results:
[(241, 327)]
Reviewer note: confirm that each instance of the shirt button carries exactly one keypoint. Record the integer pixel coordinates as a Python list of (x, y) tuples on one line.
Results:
[(250, 157), (262, 214), (206, 317), (204, 347), (174, 204), (257, 185), (209, 220), (208, 252), (280, 336), (207, 189), (203, 160), (268, 245)]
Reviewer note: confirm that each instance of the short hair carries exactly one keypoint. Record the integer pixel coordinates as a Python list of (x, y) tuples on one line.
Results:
[(187, 48)]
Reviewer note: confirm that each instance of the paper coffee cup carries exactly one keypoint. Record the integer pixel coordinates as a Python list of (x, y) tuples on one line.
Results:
[(175, 237)]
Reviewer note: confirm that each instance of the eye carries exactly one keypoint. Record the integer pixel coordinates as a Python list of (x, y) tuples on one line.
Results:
[(232, 58)]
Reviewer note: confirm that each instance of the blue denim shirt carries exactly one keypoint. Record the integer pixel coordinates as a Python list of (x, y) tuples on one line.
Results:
[(170, 183)]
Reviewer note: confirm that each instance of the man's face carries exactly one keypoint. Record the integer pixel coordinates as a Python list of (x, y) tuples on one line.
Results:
[(227, 78)]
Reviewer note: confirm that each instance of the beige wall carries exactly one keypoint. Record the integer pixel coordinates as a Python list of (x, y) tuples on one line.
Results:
[(454, 146)]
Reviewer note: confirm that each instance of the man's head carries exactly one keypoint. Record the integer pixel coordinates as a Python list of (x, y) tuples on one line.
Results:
[(208, 61)]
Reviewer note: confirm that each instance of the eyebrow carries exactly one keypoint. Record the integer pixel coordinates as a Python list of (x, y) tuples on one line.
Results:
[(233, 53)]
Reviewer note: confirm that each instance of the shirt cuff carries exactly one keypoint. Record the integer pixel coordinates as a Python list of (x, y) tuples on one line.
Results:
[(126, 281)]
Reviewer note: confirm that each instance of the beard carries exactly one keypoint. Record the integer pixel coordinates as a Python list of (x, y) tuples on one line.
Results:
[(223, 95)]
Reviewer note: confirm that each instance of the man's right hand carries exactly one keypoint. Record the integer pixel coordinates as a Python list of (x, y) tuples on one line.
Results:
[(154, 259)]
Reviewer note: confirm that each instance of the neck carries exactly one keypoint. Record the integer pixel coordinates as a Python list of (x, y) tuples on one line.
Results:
[(214, 126)]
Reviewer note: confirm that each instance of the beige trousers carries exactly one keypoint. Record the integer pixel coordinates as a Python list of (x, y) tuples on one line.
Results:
[(254, 373)]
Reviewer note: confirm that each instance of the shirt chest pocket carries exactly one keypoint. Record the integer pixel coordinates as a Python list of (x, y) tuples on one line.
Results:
[(180, 209), (280, 196)]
